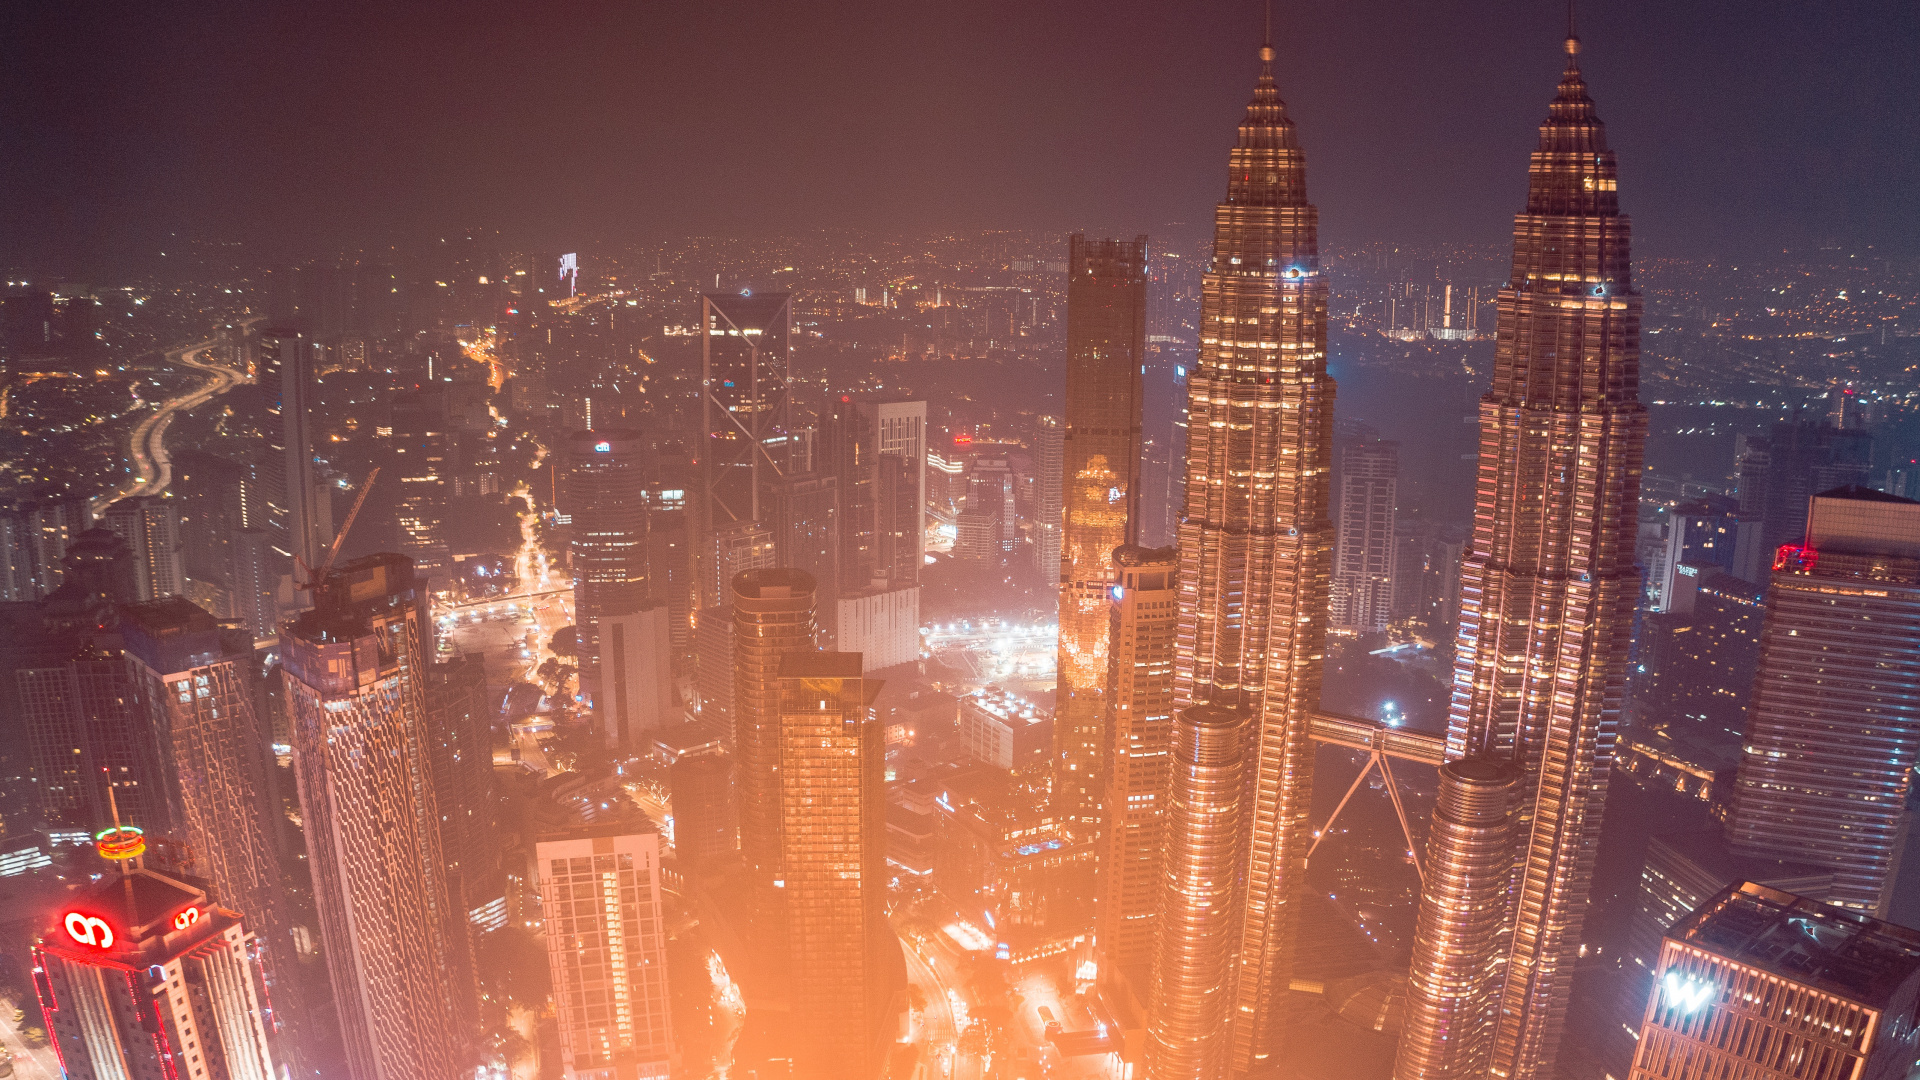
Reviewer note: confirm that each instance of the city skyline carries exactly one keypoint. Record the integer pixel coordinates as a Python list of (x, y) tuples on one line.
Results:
[(612, 645)]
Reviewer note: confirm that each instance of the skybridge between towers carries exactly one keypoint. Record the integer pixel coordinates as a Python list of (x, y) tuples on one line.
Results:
[(1382, 742)]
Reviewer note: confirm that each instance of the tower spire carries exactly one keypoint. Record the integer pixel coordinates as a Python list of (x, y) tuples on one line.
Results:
[(1573, 39), (1266, 43)]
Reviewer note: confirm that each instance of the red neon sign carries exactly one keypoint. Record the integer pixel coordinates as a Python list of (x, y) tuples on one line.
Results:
[(1800, 557), (89, 930), (186, 918)]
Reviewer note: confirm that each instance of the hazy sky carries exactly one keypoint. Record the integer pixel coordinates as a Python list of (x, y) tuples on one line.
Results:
[(299, 127)]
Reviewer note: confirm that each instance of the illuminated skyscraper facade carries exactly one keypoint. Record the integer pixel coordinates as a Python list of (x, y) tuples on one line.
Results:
[(607, 950), (1363, 556), (1100, 496), (1765, 985), (834, 861), (1049, 457), (151, 528), (1549, 584), (1190, 1035), (606, 496), (1143, 614), (1833, 729), (193, 682), (356, 673), (1255, 547), (744, 402), (1468, 867), (772, 619), (147, 976)]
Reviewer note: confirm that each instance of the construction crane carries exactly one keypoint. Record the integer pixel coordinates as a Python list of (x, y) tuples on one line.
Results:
[(318, 578)]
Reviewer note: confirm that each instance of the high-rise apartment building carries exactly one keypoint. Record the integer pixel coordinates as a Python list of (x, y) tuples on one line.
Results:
[(842, 954), (1765, 985), (606, 496), (193, 681), (151, 528), (1549, 582), (34, 534), (1049, 457), (607, 947), (1833, 730), (356, 675), (147, 975), (1143, 623), (772, 619), (1363, 554), (744, 403), (1255, 553), (1100, 486)]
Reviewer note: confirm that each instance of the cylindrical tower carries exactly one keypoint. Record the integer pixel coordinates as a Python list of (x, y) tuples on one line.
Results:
[(772, 617), (1456, 944), (1193, 970)]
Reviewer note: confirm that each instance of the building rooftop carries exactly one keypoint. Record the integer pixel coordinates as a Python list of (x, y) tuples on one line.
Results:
[(1828, 948), (1006, 706)]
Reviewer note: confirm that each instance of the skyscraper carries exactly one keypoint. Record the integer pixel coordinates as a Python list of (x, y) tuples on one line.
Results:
[(1363, 555), (149, 976), (1100, 496), (151, 529), (607, 947), (842, 954), (1549, 585), (356, 672), (606, 497), (193, 681), (705, 827), (1765, 985), (297, 507), (1143, 611), (1468, 866), (1190, 1032), (1833, 730), (744, 397), (1049, 456), (1255, 547), (772, 618)]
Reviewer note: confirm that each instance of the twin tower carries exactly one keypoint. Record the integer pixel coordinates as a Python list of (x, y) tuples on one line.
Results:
[(1547, 596)]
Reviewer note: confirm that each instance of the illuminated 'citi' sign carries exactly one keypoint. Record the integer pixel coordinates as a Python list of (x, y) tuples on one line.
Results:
[(89, 930)]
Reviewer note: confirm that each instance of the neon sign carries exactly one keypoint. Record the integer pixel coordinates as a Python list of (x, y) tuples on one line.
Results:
[(89, 930), (120, 843), (186, 918), (1796, 557), (1686, 994), (603, 448)]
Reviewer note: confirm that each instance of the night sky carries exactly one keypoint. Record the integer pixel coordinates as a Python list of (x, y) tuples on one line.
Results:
[(304, 128)]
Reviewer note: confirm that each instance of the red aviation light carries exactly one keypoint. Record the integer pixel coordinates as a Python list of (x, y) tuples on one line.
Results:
[(1796, 558), (88, 929)]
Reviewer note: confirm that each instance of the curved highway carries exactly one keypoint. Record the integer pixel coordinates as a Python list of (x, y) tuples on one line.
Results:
[(152, 471)]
